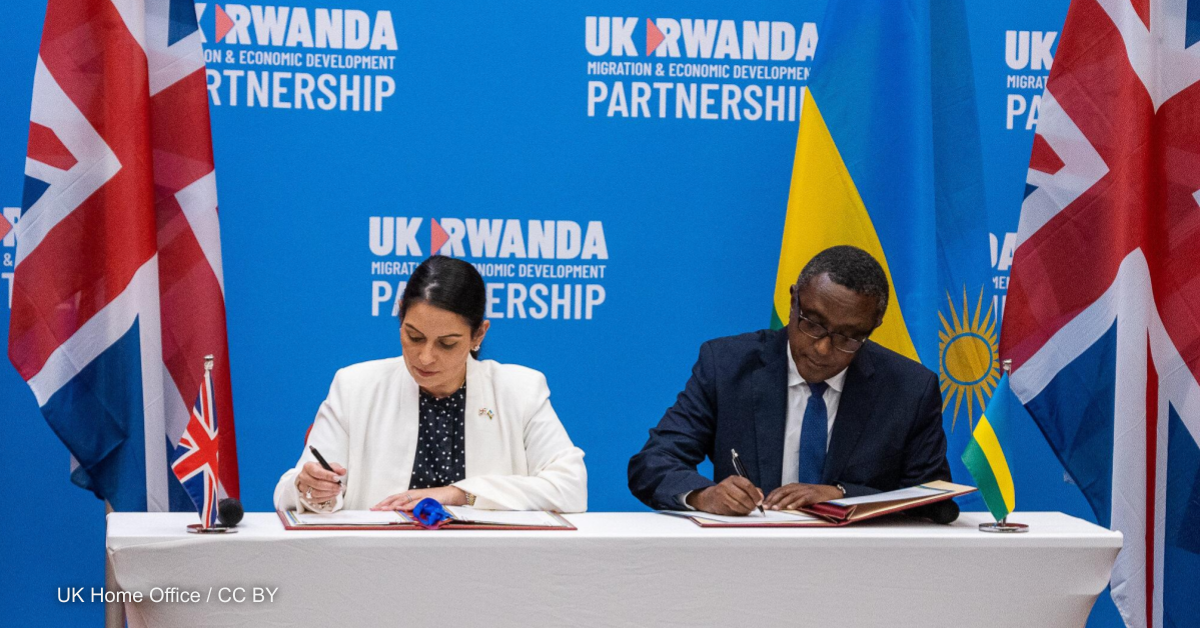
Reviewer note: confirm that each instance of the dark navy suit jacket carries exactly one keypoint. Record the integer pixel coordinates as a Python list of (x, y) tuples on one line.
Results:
[(887, 433)]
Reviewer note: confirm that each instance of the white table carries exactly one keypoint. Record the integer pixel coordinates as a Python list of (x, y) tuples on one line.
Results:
[(618, 569)]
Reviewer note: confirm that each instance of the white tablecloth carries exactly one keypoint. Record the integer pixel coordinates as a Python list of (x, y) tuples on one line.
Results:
[(618, 569)]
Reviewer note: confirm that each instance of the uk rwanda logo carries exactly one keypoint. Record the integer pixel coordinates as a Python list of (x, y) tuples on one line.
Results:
[(969, 363), (298, 27), (700, 38)]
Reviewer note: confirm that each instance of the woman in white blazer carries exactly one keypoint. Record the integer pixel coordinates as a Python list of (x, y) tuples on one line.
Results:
[(437, 422)]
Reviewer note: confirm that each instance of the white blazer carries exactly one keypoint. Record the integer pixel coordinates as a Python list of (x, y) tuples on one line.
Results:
[(518, 456)]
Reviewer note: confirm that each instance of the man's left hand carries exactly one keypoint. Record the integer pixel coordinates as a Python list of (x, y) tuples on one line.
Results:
[(798, 495)]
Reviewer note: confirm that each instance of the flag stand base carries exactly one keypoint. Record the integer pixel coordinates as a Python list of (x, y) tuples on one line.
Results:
[(197, 528), (1003, 526)]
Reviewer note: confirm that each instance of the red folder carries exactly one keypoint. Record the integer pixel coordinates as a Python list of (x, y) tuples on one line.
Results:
[(841, 512), (455, 525)]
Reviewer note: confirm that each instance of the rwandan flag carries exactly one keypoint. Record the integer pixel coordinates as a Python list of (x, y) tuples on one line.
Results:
[(984, 458), (888, 159)]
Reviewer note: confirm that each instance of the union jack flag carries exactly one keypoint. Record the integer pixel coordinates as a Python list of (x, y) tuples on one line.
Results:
[(198, 455), (1103, 313), (118, 290)]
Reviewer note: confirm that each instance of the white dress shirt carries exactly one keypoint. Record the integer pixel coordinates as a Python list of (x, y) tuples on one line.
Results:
[(798, 394)]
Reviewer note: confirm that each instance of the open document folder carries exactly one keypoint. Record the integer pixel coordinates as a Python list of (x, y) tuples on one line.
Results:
[(838, 512), (464, 518)]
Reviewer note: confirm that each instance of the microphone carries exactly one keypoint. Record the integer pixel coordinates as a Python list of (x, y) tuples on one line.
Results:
[(229, 512)]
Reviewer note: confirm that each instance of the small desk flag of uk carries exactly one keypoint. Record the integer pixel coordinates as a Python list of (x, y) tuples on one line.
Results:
[(196, 456)]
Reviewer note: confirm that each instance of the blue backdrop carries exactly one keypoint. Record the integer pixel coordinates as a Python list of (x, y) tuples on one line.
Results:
[(493, 120)]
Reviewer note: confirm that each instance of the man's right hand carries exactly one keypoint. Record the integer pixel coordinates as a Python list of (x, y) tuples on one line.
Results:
[(735, 495)]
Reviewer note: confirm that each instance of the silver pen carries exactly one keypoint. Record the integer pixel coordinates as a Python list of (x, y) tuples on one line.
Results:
[(737, 466)]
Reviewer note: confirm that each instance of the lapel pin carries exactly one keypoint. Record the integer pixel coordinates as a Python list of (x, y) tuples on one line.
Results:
[(486, 412)]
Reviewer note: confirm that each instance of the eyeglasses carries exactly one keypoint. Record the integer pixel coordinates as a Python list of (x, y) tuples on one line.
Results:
[(816, 331)]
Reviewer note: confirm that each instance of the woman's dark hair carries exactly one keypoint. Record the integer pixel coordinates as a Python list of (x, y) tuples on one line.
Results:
[(448, 284)]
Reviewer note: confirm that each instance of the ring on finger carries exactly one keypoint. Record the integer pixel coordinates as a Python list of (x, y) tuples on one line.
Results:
[(308, 493)]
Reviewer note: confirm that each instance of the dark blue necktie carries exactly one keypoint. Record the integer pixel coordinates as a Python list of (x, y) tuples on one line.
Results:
[(813, 433)]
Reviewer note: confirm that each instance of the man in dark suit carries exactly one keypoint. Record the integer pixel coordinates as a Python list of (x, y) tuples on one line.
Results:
[(816, 411)]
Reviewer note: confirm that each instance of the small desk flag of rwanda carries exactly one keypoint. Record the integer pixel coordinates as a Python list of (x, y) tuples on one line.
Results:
[(985, 460)]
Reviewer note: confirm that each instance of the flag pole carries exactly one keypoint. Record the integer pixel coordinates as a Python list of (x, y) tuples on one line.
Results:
[(114, 612), (1003, 525)]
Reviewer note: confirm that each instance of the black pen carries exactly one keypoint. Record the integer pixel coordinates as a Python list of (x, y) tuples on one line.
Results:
[(737, 466), (321, 459)]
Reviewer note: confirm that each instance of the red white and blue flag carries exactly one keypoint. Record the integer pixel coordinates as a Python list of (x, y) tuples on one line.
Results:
[(118, 292), (198, 455), (1103, 314)]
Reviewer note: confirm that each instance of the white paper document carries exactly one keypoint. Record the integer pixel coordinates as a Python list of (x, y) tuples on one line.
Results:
[(531, 518), (772, 516), (914, 492), (347, 518)]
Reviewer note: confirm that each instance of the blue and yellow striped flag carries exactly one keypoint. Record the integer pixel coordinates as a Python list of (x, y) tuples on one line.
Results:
[(889, 159), (984, 458)]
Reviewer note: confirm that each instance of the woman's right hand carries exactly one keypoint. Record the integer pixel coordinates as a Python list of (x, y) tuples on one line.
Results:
[(324, 485)]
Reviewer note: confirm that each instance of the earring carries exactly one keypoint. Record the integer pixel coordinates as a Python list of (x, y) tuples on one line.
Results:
[(476, 348)]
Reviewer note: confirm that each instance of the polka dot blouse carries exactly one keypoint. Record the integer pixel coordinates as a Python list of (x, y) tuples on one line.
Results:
[(441, 456)]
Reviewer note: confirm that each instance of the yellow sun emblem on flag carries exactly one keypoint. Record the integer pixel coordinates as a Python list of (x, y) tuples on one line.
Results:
[(968, 358)]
